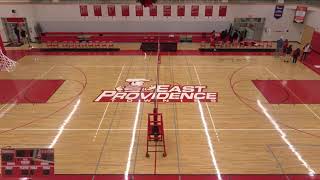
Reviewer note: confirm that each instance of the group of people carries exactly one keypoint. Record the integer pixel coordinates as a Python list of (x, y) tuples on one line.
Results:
[(285, 50), (21, 35), (231, 35)]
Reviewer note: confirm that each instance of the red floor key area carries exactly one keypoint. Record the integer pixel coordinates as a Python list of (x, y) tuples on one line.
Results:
[(28, 91), (290, 91)]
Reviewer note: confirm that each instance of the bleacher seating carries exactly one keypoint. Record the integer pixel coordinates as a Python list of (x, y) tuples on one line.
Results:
[(103, 40)]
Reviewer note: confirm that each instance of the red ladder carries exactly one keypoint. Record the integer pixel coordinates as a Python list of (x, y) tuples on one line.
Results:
[(155, 137)]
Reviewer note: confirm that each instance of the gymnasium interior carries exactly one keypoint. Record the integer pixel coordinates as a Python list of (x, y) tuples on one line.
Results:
[(160, 89)]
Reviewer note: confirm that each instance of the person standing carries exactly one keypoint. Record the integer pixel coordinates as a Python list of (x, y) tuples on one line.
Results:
[(224, 35), (241, 38), (284, 49), (295, 55), (279, 49), (212, 39), (230, 29), (306, 51), (285, 45), (288, 53), (213, 33), (245, 33), (17, 32), (23, 36), (235, 36)]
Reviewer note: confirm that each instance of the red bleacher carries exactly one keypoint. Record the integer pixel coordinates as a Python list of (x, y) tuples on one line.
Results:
[(118, 38), (106, 39), (123, 33), (99, 39)]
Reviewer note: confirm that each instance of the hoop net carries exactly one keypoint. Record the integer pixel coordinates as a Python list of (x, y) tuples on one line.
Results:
[(6, 64)]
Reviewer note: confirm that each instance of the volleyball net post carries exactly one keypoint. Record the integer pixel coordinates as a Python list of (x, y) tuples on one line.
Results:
[(155, 134)]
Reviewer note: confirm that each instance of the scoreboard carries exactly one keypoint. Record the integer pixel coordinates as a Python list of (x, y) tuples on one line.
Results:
[(27, 162)]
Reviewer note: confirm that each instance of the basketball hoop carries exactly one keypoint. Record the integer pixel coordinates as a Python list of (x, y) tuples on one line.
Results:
[(6, 64)]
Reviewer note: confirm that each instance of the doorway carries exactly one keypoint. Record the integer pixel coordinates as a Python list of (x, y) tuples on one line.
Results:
[(13, 28), (307, 35), (253, 26)]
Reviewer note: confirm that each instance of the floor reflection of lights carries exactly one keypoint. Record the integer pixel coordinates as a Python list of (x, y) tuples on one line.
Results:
[(65, 122), (283, 136)]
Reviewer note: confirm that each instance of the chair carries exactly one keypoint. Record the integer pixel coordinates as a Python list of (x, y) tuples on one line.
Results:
[(103, 44), (110, 45), (202, 44), (48, 44), (77, 44)]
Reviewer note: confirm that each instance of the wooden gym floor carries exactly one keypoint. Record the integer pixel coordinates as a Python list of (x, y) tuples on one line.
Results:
[(247, 135)]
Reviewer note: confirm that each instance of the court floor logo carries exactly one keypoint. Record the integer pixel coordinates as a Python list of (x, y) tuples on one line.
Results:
[(137, 90)]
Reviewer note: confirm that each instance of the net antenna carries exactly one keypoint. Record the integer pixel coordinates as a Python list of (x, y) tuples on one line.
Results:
[(6, 64)]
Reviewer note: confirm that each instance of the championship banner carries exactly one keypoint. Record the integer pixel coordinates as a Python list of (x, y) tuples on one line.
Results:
[(135, 90), (83, 10), (278, 11), (97, 10), (153, 10), (300, 14), (208, 11), (167, 10), (223, 11), (180, 10), (111, 10), (195, 10), (125, 10), (139, 10)]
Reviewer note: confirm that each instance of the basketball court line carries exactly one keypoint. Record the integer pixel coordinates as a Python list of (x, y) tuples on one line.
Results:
[(133, 137), (285, 139), (134, 131), (142, 129), (4, 112), (175, 66), (214, 127), (175, 122), (209, 141), (307, 106), (24, 89), (106, 109), (206, 131), (277, 160), (134, 163), (110, 125), (65, 122)]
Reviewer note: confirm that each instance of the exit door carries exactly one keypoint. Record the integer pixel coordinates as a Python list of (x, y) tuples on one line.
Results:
[(254, 27), (10, 24)]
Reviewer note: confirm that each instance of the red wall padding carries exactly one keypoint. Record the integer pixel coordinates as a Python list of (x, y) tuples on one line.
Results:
[(315, 43)]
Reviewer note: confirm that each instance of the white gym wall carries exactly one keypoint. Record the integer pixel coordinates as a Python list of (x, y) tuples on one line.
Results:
[(66, 18)]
